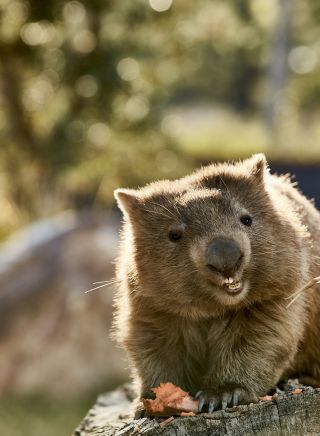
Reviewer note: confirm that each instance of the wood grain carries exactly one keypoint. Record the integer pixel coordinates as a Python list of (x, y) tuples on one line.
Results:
[(289, 415)]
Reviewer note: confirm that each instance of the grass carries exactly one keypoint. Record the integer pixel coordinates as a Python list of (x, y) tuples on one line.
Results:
[(41, 416), (209, 133)]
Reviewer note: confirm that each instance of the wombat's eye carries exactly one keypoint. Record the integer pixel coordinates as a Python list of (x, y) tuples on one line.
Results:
[(175, 235), (246, 220)]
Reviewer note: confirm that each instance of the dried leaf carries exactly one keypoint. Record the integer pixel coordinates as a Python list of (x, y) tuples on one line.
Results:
[(266, 398), (170, 400), (297, 391), (187, 414)]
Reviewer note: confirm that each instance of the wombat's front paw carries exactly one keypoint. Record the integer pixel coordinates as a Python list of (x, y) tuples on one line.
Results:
[(213, 400)]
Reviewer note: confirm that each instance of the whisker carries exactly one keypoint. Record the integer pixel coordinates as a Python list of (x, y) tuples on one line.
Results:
[(224, 184), (158, 213), (165, 208), (105, 281), (98, 287), (270, 252), (297, 294)]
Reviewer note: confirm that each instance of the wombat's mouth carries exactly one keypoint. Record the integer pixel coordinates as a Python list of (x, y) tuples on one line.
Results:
[(228, 289), (233, 286)]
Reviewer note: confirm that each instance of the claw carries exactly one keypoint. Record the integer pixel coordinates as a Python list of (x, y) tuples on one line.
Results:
[(201, 404), (226, 397), (236, 397), (198, 394), (212, 400), (212, 406)]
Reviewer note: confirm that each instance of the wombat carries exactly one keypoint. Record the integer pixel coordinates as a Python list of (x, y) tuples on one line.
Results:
[(206, 266)]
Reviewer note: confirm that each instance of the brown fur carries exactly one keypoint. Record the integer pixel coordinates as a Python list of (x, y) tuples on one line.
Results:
[(176, 325)]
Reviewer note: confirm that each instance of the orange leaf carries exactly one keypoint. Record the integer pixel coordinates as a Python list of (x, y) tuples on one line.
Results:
[(266, 398), (297, 391), (170, 400)]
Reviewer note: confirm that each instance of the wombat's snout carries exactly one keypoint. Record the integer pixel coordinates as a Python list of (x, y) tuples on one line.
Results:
[(224, 256)]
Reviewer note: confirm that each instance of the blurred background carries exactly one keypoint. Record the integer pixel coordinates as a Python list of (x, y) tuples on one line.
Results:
[(100, 94)]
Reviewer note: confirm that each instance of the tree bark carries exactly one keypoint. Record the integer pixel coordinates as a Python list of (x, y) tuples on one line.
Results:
[(289, 414)]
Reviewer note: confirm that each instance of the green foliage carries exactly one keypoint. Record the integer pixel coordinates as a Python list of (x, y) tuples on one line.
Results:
[(92, 93)]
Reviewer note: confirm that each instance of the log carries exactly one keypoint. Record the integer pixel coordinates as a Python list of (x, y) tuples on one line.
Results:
[(288, 414)]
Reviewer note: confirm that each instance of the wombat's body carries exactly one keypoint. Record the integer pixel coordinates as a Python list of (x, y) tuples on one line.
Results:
[(206, 263)]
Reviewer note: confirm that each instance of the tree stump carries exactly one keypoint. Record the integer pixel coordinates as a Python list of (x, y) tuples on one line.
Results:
[(289, 414)]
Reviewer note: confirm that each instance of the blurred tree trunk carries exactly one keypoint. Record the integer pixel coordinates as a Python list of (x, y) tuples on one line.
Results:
[(278, 67), (247, 71)]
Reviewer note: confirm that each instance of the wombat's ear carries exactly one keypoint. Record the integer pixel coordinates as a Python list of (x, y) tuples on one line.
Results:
[(127, 200), (257, 166)]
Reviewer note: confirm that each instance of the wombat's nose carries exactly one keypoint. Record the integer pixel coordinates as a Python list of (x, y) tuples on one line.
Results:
[(223, 256)]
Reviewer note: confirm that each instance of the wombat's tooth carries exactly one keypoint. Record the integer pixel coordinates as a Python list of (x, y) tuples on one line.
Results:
[(235, 285)]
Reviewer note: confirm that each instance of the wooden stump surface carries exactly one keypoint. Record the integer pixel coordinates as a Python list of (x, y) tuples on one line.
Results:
[(289, 414)]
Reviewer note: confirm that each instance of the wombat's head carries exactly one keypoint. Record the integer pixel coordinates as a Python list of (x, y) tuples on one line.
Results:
[(215, 238)]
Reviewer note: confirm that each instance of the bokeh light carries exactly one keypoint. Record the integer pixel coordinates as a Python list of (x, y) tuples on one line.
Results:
[(86, 86), (172, 125), (84, 41), (160, 5), (37, 33), (128, 69), (99, 134), (74, 12), (302, 59), (136, 108)]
